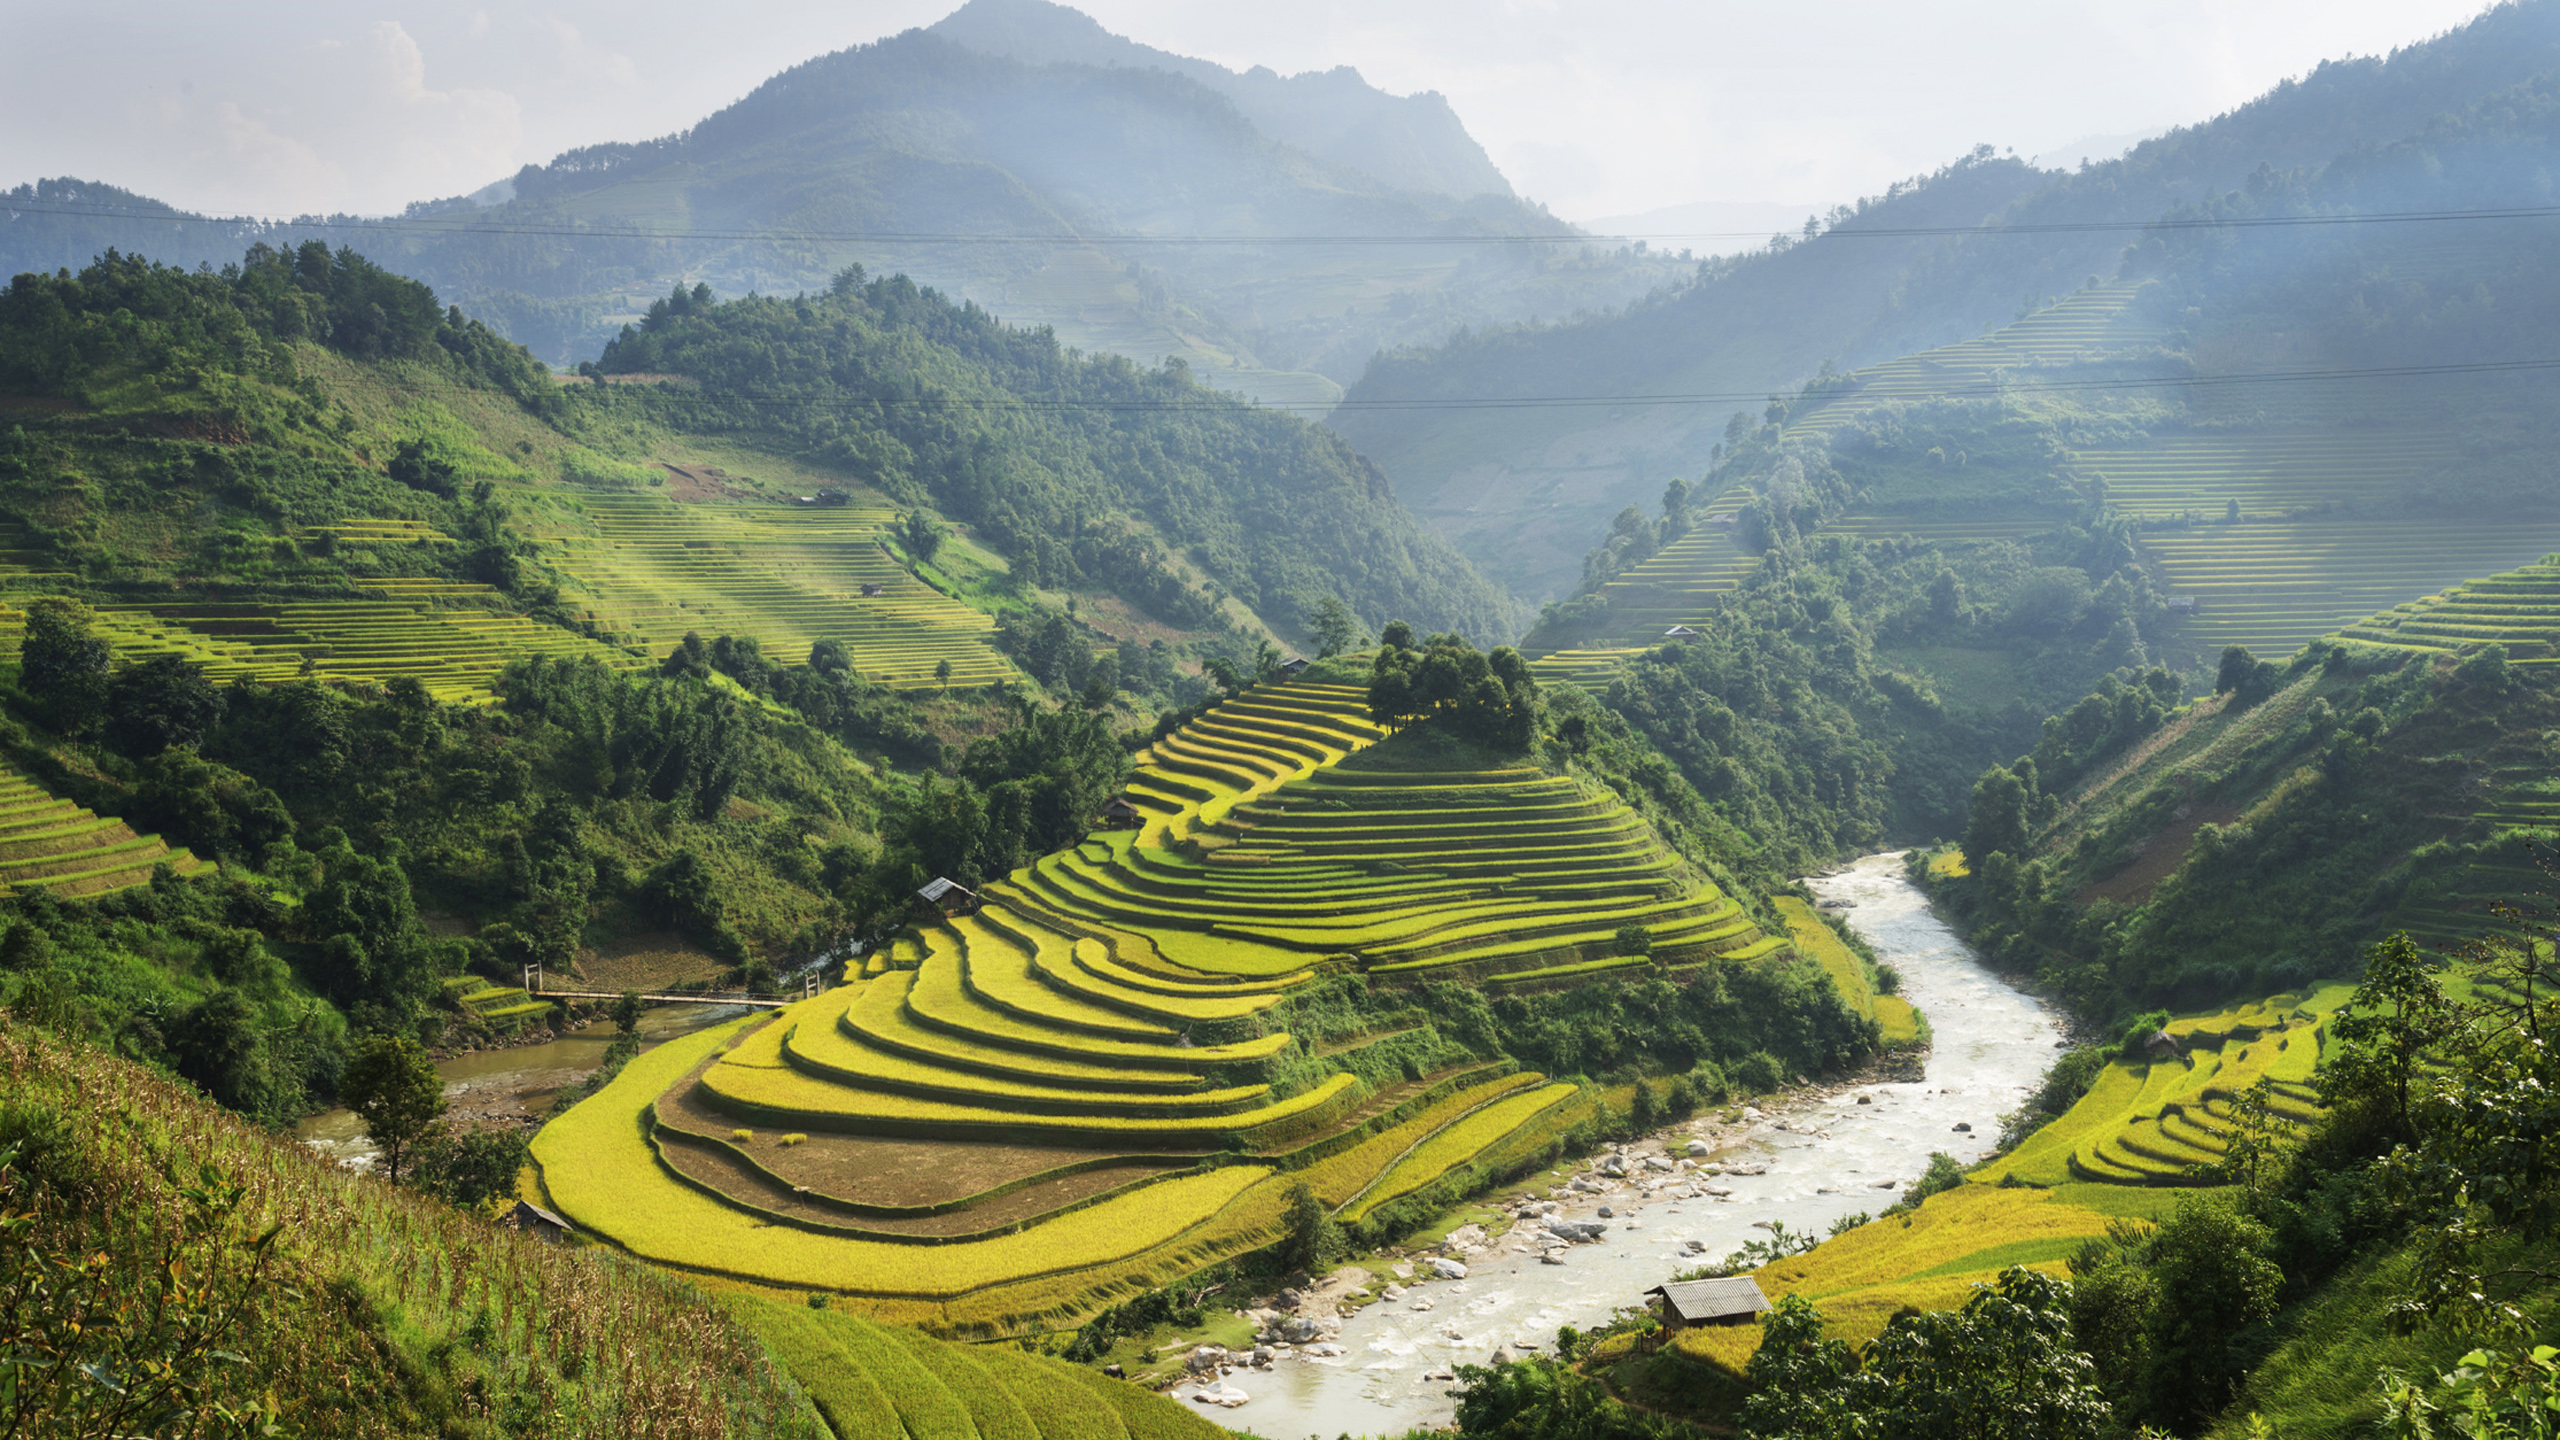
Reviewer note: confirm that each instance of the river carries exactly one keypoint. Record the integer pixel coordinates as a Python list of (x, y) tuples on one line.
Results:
[(523, 1080), (1992, 1043)]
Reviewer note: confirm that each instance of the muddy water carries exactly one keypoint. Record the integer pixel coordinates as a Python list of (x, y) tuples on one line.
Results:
[(1825, 1159), (501, 1083)]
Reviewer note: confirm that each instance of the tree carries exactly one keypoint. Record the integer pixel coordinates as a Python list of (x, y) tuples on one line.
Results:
[(162, 702), (2004, 1367), (1314, 1242), (2237, 669), (921, 537), (1334, 628), (216, 1044), (467, 1168), (1997, 822), (418, 468), (61, 665), (2396, 1018), (2213, 1284), (626, 1011), (391, 1085)]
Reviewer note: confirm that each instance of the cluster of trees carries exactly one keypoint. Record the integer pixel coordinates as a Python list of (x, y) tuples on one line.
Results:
[(1065, 462), (1489, 699), (2426, 1198), (2342, 787), (197, 335), (828, 692)]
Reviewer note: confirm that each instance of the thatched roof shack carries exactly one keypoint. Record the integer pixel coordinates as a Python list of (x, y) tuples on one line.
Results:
[(2163, 1046), (1684, 1303)]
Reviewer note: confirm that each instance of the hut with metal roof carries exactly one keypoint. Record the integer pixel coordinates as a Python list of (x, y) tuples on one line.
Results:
[(949, 896), (1684, 1303)]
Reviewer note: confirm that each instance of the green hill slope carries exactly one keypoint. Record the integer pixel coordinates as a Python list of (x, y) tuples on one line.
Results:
[(1768, 323)]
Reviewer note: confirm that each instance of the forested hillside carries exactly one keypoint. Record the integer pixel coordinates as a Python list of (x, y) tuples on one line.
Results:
[(1087, 473), (1855, 290)]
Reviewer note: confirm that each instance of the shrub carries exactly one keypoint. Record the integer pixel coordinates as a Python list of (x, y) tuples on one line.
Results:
[(1757, 1073)]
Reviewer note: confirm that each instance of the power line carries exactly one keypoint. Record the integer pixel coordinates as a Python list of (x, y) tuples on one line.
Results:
[(1548, 402), (431, 228)]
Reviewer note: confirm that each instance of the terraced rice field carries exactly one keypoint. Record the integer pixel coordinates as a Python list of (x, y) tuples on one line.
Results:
[(1068, 1093), (790, 576), (2516, 798), (2162, 1122), (1679, 585), (1955, 1241), (52, 844), (505, 1006), (455, 652), (1895, 1018), (2083, 325), (2143, 1130), (871, 1379), (1285, 863), (2519, 610), (2277, 586)]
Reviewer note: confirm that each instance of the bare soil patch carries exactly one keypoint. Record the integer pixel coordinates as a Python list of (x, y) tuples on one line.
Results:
[(877, 1170), (2158, 856), (719, 1167)]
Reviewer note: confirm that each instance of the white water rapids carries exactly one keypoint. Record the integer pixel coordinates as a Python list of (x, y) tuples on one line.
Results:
[(1991, 1046)]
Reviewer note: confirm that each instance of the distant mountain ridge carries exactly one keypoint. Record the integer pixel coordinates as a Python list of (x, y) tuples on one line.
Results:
[(1413, 142), (1513, 485), (1059, 193)]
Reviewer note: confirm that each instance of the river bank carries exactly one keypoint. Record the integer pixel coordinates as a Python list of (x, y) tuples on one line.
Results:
[(1809, 1160)]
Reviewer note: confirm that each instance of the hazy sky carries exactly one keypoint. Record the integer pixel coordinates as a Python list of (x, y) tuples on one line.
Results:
[(1597, 107)]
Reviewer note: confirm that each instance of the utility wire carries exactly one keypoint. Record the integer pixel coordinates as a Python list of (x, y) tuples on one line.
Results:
[(431, 227), (1551, 402)]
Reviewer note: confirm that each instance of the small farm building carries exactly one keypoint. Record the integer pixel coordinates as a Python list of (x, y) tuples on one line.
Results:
[(2181, 605), (1679, 632), (949, 896), (1291, 670), (2163, 1046), (1119, 814), (1684, 1303), (533, 1220), (874, 589)]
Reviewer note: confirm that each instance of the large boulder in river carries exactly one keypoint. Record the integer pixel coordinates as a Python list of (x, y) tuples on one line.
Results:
[(1448, 1269), (1580, 1232)]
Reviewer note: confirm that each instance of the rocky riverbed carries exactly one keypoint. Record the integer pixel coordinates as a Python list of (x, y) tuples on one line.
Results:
[(1677, 1199)]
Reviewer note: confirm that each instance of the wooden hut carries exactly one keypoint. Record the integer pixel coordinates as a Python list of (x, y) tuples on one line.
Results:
[(1680, 632), (1684, 1303), (949, 896), (873, 589), (1292, 669), (2163, 1046), (1119, 814)]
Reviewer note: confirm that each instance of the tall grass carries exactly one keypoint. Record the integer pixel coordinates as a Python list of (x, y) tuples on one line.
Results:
[(372, 1311)]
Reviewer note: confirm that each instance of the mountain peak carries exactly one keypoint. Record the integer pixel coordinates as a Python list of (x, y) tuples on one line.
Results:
[(1413, 142)]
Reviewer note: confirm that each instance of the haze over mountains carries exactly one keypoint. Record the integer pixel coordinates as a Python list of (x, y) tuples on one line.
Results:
[(1119, 192), (1519, 483)]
